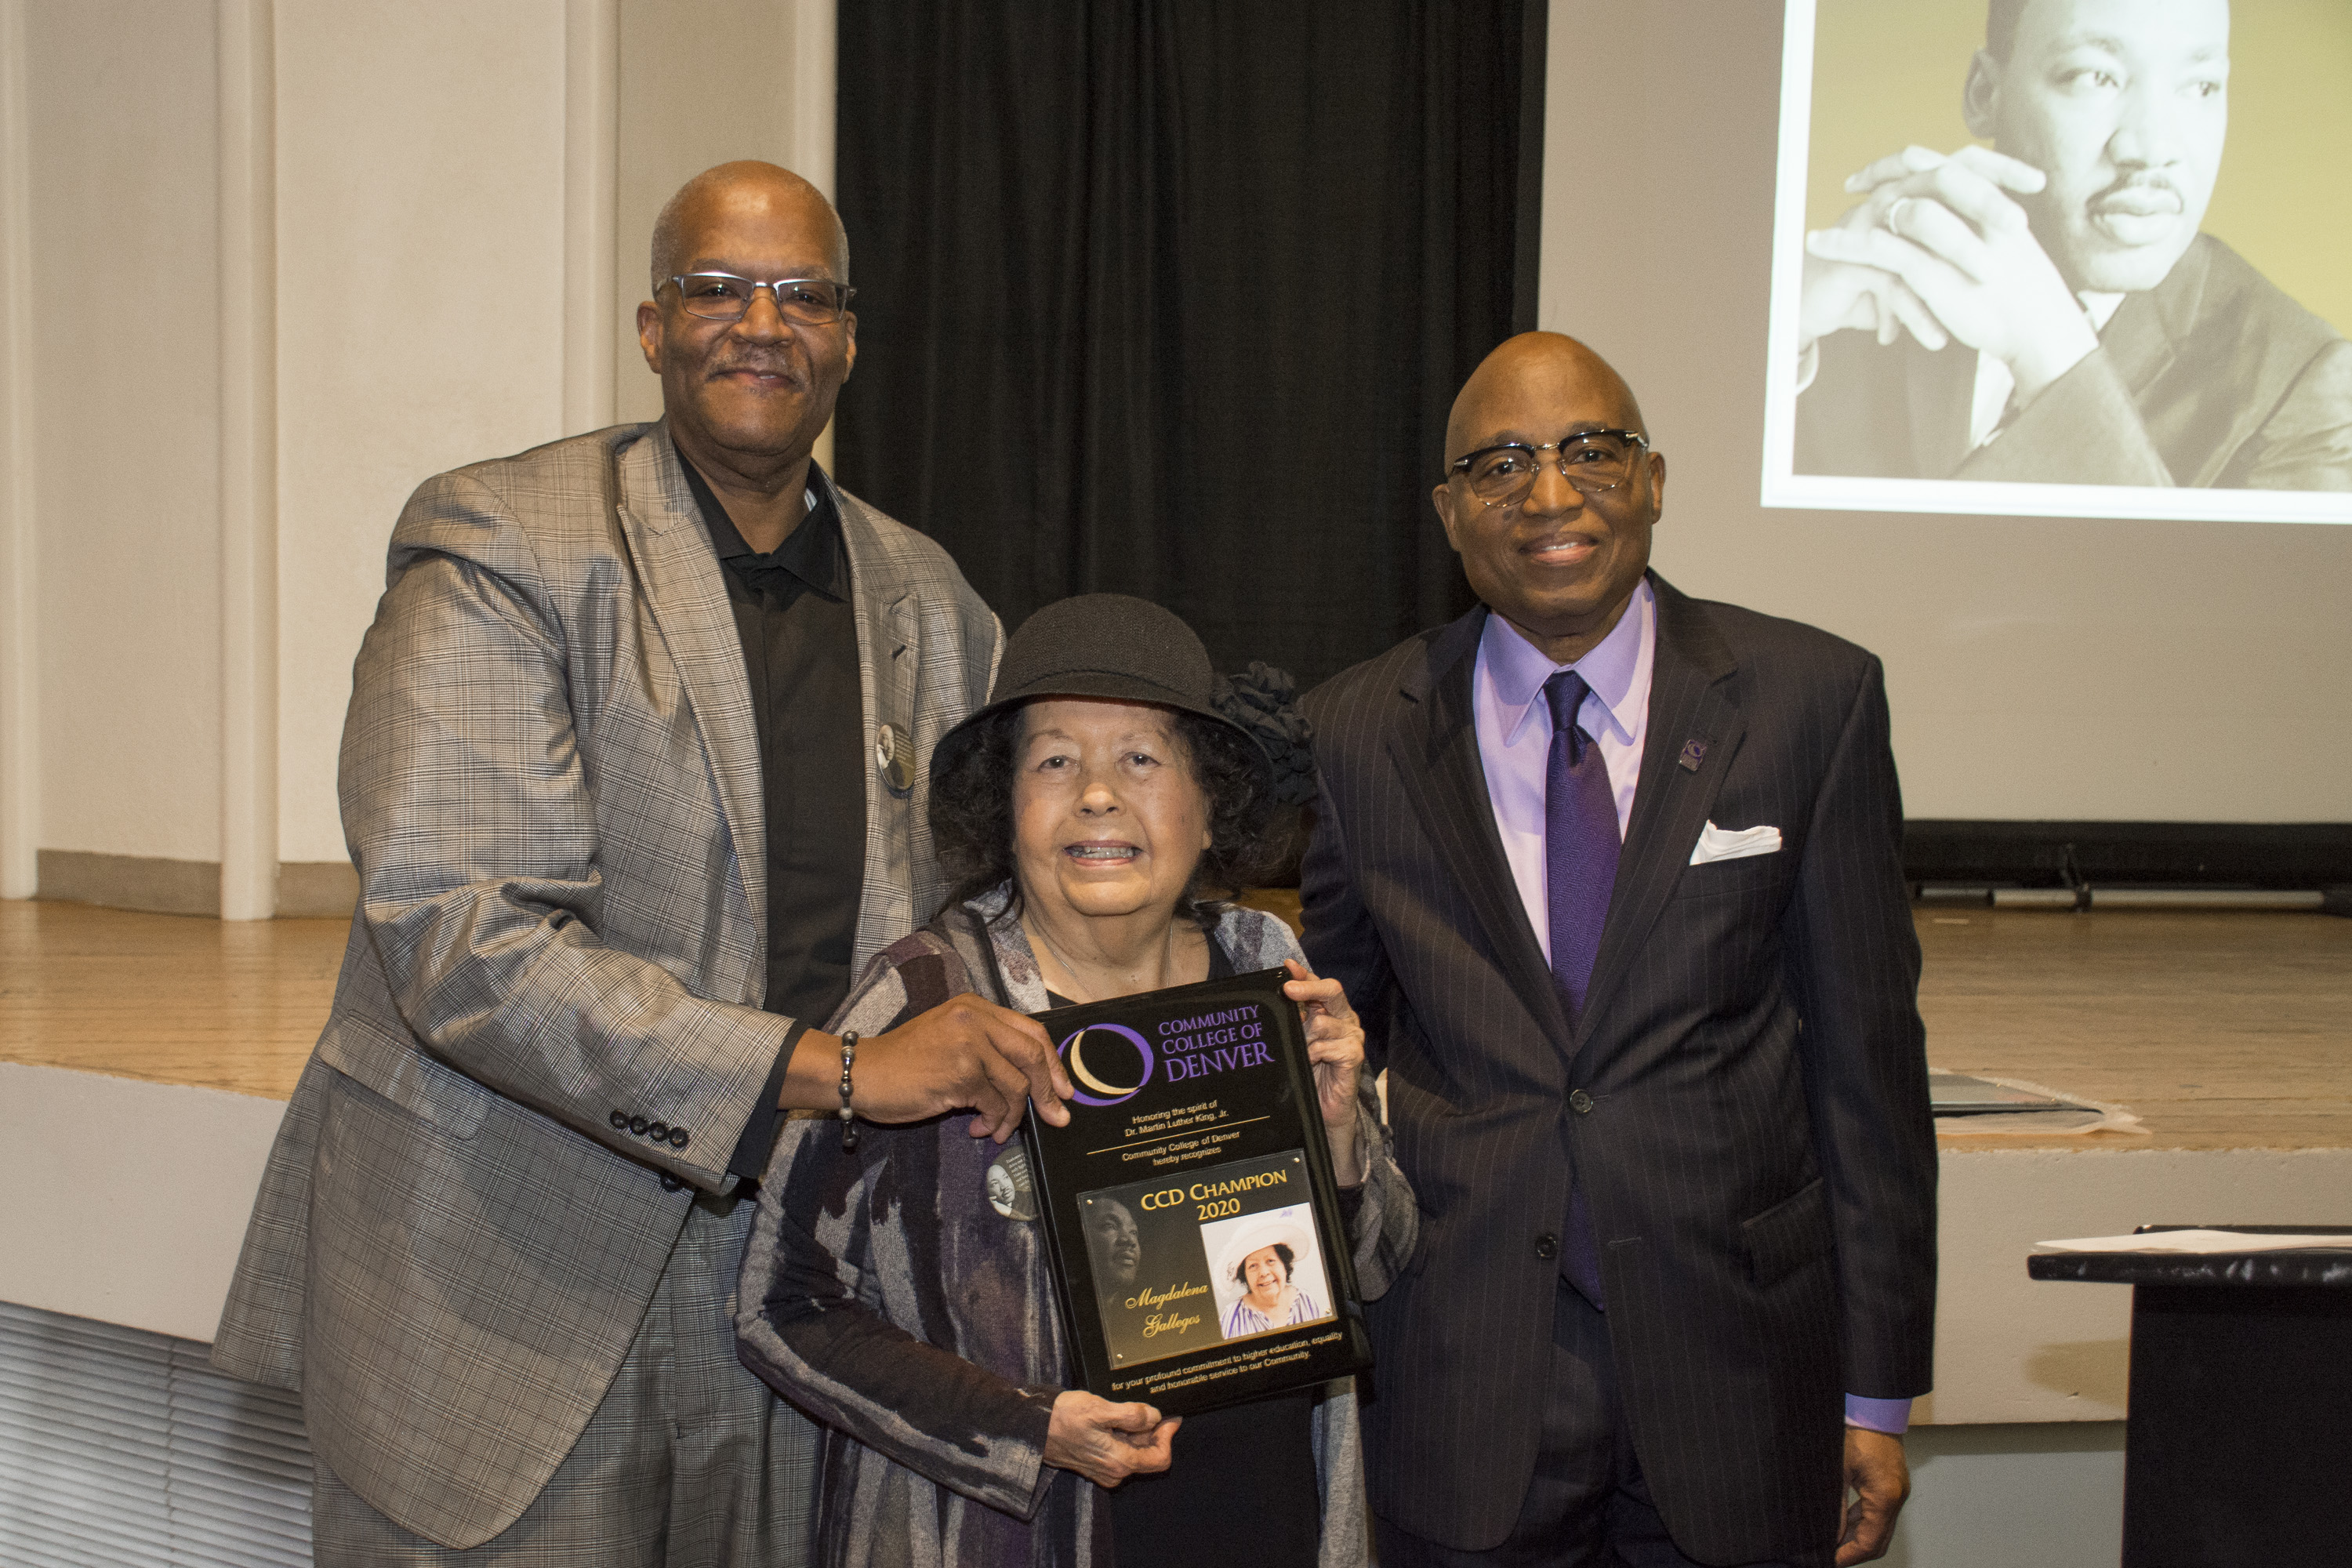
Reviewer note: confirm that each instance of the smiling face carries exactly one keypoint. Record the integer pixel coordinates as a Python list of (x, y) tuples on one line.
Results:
[(1558, 564), (1265, 1274), (2125, 105), (748, 393), (1107, 818), (1115, 1242)]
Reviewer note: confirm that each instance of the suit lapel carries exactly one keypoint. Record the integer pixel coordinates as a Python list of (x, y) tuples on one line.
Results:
[(887, 677), (1436, 754), (1671, 802), (2142, 336), (688, 597)]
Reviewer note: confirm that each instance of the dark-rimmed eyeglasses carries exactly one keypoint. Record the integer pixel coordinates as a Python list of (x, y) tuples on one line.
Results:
[(723, 296), (1591, 460)]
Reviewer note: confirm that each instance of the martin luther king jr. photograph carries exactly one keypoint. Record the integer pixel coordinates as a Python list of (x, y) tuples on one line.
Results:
[(2081, 292)]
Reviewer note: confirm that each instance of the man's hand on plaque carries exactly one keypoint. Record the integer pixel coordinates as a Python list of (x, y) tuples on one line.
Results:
[(963, 1055), (1335, 1045), (1107, 1443)]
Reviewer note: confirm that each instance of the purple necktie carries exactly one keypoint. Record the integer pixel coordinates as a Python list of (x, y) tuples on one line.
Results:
[(1580, 846)]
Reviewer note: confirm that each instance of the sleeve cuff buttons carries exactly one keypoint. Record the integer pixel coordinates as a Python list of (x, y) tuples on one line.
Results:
[(655, 1132)]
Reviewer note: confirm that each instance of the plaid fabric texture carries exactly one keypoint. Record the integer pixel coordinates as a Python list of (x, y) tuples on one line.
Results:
[(546, 1036), (688, 1463)]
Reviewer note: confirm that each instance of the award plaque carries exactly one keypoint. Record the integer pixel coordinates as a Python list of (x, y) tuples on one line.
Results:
[(1190, 1206)]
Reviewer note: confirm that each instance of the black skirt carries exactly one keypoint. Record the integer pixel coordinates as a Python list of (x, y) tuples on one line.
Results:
[(1242, 1489)]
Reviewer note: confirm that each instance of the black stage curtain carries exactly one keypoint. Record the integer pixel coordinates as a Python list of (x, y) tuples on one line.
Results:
[(1170, 297)]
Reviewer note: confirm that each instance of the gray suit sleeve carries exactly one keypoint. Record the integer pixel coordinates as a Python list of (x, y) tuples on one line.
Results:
[(1340, 938), (478, 839), (2306, 445), (2084, 429), (2087, 428)]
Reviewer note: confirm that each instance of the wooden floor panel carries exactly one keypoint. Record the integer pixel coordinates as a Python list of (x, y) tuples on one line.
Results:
[(232, 1005), (2221, 1031)]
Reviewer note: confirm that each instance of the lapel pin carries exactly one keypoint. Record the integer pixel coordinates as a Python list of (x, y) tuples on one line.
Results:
[(1694, 753)]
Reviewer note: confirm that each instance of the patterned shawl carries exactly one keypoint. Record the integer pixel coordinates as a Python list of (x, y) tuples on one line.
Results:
[(883, 1295)]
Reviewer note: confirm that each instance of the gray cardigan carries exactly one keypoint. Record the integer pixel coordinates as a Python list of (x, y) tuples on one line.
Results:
[(884, 1296)]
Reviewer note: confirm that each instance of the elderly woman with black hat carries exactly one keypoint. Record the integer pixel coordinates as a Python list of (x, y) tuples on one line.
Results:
[(898, 1289)]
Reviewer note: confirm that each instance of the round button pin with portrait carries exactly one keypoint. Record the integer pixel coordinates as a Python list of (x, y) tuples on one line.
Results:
[(894, 754), (1011, 1191)]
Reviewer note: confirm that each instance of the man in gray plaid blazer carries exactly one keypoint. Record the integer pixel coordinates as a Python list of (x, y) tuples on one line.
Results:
[(496, 1239)]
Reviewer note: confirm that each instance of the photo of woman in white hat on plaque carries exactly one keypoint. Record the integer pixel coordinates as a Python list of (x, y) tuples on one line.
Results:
[(1273, 1259)]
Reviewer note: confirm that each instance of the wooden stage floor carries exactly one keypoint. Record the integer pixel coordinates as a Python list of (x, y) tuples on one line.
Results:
[(2220, 1031)]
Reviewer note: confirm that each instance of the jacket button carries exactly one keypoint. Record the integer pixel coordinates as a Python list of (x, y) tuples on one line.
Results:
[(638, 1124), (1547, 1247), (1579, 1103), (657, 1130), (620, 1121), (678, 1138), (670, 1183)]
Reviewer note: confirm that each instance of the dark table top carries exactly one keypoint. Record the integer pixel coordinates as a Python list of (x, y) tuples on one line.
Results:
[(2304, 1266)]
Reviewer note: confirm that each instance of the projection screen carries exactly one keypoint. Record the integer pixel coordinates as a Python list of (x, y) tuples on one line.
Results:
[(2093, 267)]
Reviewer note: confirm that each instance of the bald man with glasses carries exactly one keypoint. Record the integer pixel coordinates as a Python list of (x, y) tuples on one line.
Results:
[(1613, 877), (635, 779)]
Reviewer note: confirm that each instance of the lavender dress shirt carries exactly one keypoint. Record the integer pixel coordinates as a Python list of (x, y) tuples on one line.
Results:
[(1514, 739)]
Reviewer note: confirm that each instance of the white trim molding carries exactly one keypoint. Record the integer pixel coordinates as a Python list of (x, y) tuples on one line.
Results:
[(810, 120), (20, 750), (591, 171), (249, 459), (816, 88)]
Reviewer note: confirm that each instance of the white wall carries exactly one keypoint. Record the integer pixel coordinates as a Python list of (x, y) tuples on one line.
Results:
[(420, 222), (266, 266), (2012, 1497), (122, 373), (2038, 669)]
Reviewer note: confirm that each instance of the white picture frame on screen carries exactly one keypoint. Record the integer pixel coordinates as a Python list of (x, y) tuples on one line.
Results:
[(2201, 361)]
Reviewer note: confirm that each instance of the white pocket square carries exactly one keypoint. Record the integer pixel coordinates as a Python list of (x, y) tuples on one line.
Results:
[(1734, 843)]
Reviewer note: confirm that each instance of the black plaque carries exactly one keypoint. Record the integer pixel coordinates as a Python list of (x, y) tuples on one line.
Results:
[(1193, 1160)]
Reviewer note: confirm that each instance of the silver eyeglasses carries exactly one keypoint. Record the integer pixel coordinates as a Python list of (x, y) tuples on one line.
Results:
[(1591, 460), (723, 296)]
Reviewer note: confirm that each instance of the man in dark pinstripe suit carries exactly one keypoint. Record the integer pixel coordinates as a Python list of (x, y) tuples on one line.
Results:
[(1612, 876)]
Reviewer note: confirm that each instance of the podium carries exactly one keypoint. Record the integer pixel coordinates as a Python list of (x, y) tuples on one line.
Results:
[(2238, 1449)]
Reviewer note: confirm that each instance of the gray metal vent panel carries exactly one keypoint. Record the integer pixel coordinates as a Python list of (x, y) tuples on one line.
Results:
[(121, 1448)]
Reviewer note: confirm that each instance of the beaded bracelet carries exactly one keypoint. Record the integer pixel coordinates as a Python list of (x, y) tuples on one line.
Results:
[(849, 1121)]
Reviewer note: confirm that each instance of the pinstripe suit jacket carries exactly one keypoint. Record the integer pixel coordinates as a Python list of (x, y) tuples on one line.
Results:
[(1757, 1152), (546, 1036)]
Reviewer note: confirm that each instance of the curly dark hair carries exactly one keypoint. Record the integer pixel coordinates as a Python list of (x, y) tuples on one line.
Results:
[(972, 814), (1282, 1250)]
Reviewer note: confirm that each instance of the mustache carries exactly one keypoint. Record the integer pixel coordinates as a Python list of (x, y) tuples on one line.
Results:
[(2142, 180), (757, 363)]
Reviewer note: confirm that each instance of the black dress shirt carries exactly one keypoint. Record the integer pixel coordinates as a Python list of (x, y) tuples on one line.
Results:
[(799, 631)]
